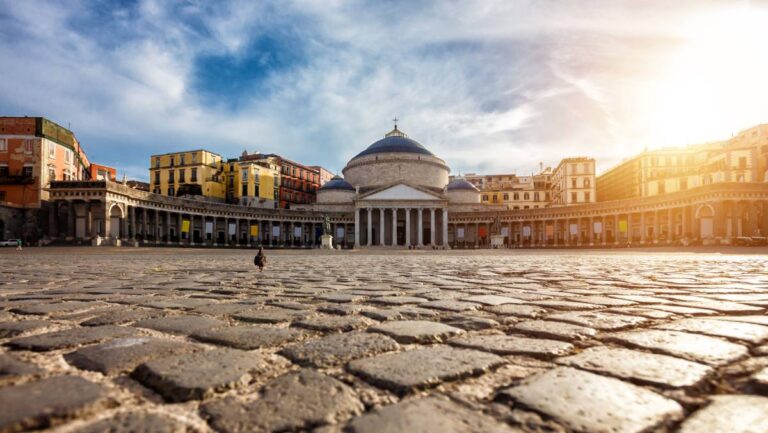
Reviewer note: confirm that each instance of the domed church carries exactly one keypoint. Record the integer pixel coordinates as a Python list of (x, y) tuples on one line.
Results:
[(399, 193)]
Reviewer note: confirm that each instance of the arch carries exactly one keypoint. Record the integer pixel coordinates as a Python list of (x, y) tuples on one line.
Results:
[(116, 211), (705, 211)]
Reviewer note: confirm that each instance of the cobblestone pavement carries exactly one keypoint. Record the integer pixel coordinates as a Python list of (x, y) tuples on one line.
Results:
[(178, 340)]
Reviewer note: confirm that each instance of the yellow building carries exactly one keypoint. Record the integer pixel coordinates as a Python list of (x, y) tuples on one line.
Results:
[(194, 172), (573, 182), (513, 191), (253, 180)]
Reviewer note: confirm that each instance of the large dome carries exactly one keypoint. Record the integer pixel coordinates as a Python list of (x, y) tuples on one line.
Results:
[(396, 159), (395, 142), (338, 183)]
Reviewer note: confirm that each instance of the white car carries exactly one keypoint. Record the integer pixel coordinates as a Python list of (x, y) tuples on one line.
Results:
[(9, 243)]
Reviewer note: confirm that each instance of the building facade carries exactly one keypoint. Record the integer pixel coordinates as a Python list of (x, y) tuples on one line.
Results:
[(102, 172), (195, 173), (513, 191), (298, 183), (33, 152), (253, 180), (573, 182), (325, 174)]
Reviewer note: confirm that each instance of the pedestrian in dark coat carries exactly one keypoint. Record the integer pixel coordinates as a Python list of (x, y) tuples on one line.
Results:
[(260, 260)]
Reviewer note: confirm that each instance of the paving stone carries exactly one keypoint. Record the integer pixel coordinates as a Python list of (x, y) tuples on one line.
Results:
[(695, 347), (48, 402), (337, 349), (720, 328), (11, 368), (470, 323), (450, 305), (334, 323), (566, 305), (184, 325), (557, 330), (400, 313), (492, 300), (416, 331), (640, 311), (528, 311), (729, 414), (757, 320), (642, 367), (249, 337), (422, 368), (427, 415), (120, 317), (59, 307), (137, 422), (677, 309), (292, 402), (271, 315), (342, 309), (71, 338), (12, 329), (222, 309), (597, 320), (604, 300), (513, 345), (589, 402), (398, 300), (341, 297), (200, 375), (124, 354)]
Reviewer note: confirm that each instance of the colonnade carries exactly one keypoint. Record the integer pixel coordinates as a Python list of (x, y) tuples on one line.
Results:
[(717, 222), (396, 226)]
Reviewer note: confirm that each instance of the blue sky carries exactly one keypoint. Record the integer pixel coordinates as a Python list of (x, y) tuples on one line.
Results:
[(490, 86)]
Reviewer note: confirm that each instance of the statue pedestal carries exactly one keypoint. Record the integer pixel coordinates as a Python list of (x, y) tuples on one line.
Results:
[(497, 241), (326, 242)]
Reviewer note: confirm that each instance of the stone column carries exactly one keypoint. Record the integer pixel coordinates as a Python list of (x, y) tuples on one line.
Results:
[(477, 235), (382, 231), (357, 228), (445, 227), (144, 224), (591, 230), (394, 226), (179, 223), (132, 219), (168, 227), (670, 225), (615, 229), (753, 224), (420, 234), (629, 228), (656, 227), (432, 237), (684, 222), (369, 240), (604, 232), (643, 229), (408, 227), (107, 220)]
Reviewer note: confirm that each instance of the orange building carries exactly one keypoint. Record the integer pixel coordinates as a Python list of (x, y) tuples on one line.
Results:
[(33, 152), (102, 172)]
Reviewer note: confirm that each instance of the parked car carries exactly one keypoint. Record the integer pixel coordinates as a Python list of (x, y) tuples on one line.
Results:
[(9, 243)]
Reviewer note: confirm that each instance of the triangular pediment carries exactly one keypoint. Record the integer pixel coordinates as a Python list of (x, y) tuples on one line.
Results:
[(401, 192)]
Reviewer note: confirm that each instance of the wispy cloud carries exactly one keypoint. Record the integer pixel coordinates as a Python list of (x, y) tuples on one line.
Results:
[(487, 85)]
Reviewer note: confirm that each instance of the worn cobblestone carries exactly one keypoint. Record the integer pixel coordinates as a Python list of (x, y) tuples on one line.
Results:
[(185, 340)]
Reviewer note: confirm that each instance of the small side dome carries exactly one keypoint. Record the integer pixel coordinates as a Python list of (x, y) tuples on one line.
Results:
[(460, 184), (337, 183)]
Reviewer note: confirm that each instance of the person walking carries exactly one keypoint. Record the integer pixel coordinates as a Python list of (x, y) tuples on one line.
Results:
[(18, 245)]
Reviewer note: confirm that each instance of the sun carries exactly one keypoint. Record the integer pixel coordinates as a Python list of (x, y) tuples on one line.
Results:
[(716, 83)]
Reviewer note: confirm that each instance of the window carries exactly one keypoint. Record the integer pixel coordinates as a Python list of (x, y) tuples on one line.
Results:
[(171, 192), (51, 149), (157, 162), (181, 159), (182, 172), (245, 190), (683, 184), (586, 196), (516, 196), (256, 190), (193, 176), (574, 197), (156, 190), (244, 175), (3, 145), (743, 162), (2, 195), (506, 196), (51, 174), (586, 182), (27, 146), (526, 196), (661, 187), (485, 197), (171, 161), (573, 182), (586, 168), (171, 177), (3, 171), (535, 196), (194, 158)]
